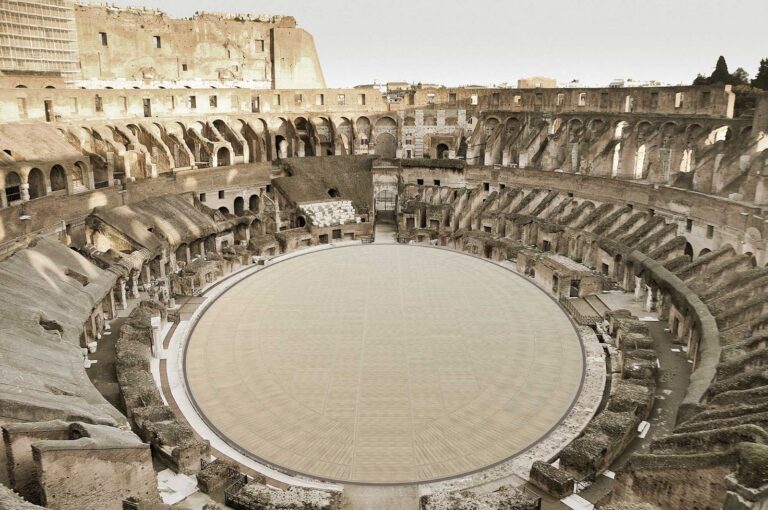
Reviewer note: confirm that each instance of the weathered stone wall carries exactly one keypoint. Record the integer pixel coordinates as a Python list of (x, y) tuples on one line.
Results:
[(94, 479), (262, 51)]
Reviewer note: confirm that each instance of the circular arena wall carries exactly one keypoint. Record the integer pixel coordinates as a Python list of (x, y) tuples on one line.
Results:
[(384, 364)]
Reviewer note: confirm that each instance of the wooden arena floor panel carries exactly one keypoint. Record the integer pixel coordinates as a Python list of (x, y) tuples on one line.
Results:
[(384, 364)]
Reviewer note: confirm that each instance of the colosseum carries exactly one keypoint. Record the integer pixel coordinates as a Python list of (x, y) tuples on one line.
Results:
[(225, 285)]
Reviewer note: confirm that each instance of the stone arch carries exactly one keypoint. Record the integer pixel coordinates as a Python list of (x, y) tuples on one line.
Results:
[(12, 187), (223, 157), (596, 126), (386, 122), (688, 250), (79, 171), (442, 151), (362, 129), (574, 130), (667, 131), (58, 178), (239, 206), (491, 123), (620, 129), (304, 132), (386, 146), (693, 132), (224, 210), (704, 251), (36, 181), (253, 203)]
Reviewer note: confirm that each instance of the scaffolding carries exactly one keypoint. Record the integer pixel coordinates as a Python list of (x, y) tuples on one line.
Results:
[(39, 36)]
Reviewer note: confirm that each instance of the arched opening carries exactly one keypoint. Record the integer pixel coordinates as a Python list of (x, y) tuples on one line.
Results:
[(301, 221), (688, 250), (58, 178), (182, 253), (36, 183), (253, 203), (12, 187), (100, 176), (303, 131), (281, 147), (386, 146), (334, 193), (704, 252), (223, 210), (223, 157), (442, 151), (239, 205)]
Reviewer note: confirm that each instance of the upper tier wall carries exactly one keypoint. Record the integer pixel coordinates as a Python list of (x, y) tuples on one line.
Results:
[(75, 104), (133, 44)]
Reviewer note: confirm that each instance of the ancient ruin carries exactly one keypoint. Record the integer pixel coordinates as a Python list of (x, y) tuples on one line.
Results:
[(224, 285)]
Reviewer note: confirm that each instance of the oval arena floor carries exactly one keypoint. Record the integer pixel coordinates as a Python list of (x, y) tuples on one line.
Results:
[(384, 364)]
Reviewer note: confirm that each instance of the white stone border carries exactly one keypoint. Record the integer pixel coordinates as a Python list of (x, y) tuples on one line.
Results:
[(512, 472)]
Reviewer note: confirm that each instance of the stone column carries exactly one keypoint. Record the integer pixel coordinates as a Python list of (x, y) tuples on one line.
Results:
[(135, 286), (111, 309), (639, 288), (650, 299), (123, 297)]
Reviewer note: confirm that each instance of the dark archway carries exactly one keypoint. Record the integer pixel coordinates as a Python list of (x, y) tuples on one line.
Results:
[(223, 157), (239, 205), (58, 178), (688, 250), (442, 151), (253, 203), (12, 187), (301, 221), (223, 210), (36, 183)]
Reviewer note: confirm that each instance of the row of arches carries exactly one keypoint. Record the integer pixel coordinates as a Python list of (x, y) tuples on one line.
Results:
[(32, 183)]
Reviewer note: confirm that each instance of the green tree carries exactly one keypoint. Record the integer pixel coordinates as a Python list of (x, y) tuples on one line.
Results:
[(701, 80), (740, 77), (720, 74), (761, 78)]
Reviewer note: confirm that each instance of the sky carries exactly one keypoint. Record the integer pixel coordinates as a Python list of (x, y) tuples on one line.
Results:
[(460, 42)]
